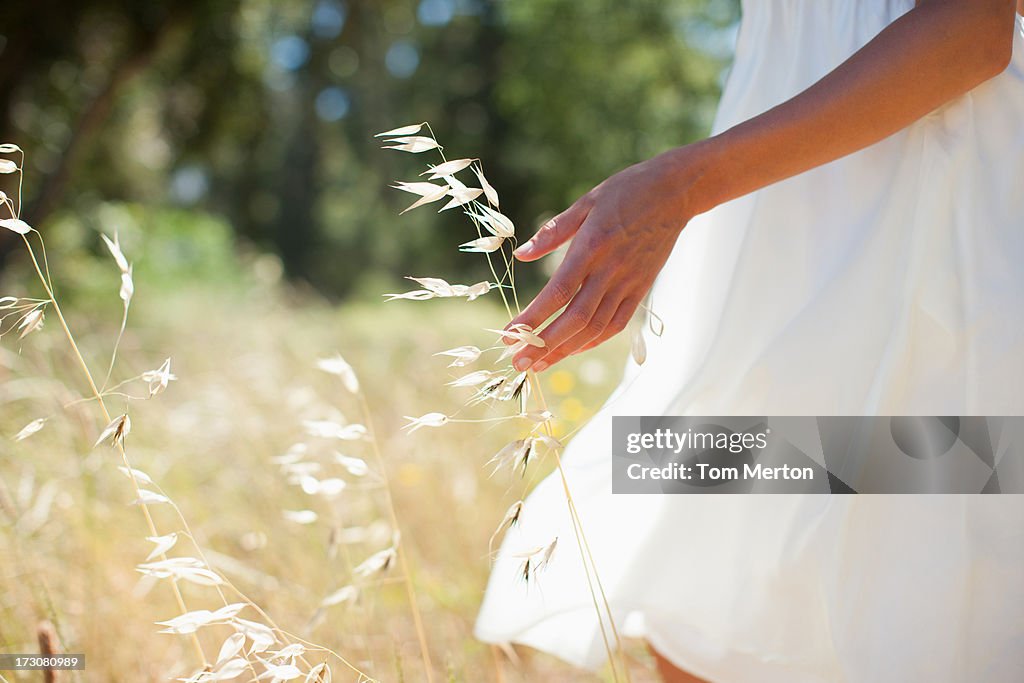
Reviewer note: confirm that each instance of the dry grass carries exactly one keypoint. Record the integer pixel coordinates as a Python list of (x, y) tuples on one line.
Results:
[(276, 484), (496, 239), (246, 363)]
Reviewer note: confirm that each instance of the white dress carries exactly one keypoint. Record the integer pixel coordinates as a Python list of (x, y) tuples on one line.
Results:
[(889, 282)]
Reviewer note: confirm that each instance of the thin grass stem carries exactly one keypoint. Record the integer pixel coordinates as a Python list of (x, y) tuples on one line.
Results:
[(179, 599)]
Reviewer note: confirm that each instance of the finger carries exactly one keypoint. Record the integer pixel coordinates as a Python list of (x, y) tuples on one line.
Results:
[(595, 329), (617, 324), (577, 316), (559, 290), (553, 234)]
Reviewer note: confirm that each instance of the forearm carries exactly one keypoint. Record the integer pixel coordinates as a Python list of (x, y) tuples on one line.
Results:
[(926, 58)]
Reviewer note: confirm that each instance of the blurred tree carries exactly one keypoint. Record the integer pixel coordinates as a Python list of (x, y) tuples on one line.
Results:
[(65, 68), (263, 111), (590, 87)]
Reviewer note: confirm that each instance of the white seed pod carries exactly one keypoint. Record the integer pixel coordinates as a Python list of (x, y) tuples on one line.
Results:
[(476, 291), (523, 333), (428, 420), (448, 168), (262, 636), (321, 673), (489, 191), (187, 623), (231, 646), (497, 223), (435, 285), (461, 197), (357, 467), (546, 556), (510, 519), (300, 516), (638, 347), (115, 432), (137, 475), (147, 497), (462, 355), (31, 322), (339, 367), (509, 455), (159, 379), (414, 145), (162, 543), (127, 287), (423, 189), (31, 428), (484, 245), (377, 563), (115, 250), (342, 595), (415, 295), (472, 379), (399, 132), (16, 225), (228, 670)]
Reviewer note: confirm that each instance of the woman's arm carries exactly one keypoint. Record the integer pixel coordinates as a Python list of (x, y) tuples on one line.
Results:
[(931, 55), (623, 230)]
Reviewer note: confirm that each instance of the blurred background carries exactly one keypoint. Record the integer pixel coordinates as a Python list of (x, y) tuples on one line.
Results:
[(229, 144), (258, 115)]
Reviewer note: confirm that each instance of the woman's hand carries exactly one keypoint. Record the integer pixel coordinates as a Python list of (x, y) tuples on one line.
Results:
[(622, 233)]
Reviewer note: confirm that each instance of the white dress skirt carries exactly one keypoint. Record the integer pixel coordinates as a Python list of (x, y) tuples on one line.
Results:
[(889, 282)]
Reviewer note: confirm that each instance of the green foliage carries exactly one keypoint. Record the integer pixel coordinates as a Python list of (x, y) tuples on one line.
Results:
[(602, 85), (185, 249)]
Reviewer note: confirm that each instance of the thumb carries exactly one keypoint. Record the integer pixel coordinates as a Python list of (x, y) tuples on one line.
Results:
[(552, 234)]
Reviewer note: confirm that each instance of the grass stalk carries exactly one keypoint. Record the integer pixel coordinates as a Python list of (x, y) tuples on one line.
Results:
[(84, 367), (400, 549), (594, 584)]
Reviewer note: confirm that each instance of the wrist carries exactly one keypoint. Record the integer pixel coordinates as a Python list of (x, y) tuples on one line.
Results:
[(699, 172)]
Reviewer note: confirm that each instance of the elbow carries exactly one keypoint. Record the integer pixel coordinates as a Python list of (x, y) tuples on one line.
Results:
[(996, 28), (998, 56)]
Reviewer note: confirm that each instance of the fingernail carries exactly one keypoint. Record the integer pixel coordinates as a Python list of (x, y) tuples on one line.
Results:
[(523, 364), (523, 250), (540, 366)]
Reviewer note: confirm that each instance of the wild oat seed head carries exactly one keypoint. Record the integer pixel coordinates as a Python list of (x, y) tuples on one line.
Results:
[(399, 132), (31, 428), (16, 225)]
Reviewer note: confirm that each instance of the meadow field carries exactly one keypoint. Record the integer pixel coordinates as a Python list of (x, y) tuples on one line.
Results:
[(244, 348), (230, 149)]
